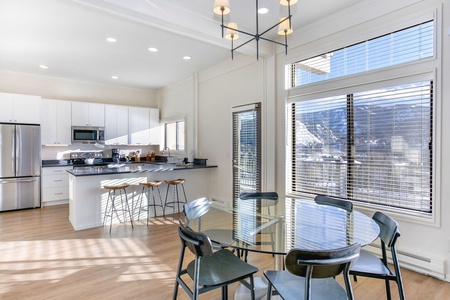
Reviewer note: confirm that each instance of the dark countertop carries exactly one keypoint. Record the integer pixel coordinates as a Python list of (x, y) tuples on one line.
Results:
[(133, 167)]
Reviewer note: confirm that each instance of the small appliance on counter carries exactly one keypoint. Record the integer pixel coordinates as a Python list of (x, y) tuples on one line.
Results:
[(115, 154)]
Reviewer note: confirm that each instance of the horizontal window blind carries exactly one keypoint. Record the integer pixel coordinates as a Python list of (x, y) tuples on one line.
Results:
[(406, 45), (374, 146)]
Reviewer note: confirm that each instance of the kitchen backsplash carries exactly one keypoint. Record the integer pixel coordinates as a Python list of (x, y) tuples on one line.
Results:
[(52, 152)]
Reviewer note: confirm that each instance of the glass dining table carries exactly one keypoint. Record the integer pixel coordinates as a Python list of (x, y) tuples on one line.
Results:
[(276, 226)]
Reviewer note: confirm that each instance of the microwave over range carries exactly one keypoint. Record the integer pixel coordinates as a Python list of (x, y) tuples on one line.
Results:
[(88, 135)]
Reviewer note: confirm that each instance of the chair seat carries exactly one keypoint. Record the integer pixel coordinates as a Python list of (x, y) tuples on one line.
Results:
[(116, 187), (151, 183), (221, 267), (176, 181), (290, 286), (368, 263)]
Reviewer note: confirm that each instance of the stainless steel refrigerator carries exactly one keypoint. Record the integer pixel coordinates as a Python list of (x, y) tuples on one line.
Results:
[(20, 166)]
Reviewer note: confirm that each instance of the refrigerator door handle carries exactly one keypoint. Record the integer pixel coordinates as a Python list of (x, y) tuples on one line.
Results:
[(6, 181)]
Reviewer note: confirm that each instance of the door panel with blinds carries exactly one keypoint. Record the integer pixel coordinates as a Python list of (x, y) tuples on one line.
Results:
[(246, 149), (374, 146)]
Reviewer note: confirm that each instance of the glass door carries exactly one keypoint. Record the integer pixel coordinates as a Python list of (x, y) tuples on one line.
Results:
[(246, 149)]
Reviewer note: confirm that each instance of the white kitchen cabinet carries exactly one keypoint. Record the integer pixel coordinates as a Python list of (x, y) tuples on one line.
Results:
[(116, 125), (56, 122), (88, 114), (17, 108), (155, 131), (55, 185), (139, 125)]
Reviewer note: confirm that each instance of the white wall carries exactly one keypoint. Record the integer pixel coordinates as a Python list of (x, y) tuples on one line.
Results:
[(63, 89), (245, 80)]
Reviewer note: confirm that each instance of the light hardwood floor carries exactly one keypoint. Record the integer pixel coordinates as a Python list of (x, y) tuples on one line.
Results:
[(42, 257)]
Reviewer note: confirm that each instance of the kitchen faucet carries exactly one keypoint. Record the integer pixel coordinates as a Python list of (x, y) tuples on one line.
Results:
[(167, 149)]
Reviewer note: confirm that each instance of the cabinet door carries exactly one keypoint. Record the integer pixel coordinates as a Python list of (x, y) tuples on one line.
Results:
[(116, 125), (48, 124), (96, 114), (80, 115), (6, 113), (27, 109), (63, 122), (139, 125), (155, 131)]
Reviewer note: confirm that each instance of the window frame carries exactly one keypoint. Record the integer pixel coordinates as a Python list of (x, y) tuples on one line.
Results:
[(171, 120), (428, 68)]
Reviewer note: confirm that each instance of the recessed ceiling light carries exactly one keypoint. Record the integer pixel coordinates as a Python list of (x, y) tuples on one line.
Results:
[(263, 10), (43, 67), (186, 57), (152, 49), (111, 40), (114, 77)]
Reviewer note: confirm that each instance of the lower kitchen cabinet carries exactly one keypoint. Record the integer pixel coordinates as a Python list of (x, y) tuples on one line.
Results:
[(55, 185)]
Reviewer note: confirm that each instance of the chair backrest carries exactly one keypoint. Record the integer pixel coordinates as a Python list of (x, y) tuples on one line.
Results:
[(197, 242), (321, 264), (341, 203), (195, 209), (259, 195), (388, 228)]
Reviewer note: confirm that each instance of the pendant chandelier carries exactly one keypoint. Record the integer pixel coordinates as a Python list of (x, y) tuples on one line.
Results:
[(231, 32)]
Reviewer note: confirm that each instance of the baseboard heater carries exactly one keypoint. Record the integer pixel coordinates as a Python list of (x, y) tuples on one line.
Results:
[(417, 263)]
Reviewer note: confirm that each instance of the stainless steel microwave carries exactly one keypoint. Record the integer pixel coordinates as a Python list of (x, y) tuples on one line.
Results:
[(88, 135)]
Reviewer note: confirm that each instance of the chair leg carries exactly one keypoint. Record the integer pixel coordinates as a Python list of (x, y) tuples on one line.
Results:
[(388, 289), (225, 292), (269, 291), (252, 287)]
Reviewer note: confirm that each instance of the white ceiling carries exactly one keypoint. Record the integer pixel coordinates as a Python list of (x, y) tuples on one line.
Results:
[(69, 36)]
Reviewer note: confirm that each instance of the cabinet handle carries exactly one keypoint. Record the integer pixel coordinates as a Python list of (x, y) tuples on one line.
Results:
[(58, 193), (57, 180), (57, 171)]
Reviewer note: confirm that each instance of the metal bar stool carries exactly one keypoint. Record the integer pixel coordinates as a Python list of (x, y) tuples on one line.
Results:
[(111, 208), (176, 199), (150, 194)]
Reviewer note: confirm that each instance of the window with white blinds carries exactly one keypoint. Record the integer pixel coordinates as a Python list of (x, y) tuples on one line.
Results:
[(406, 45), (374, 146)]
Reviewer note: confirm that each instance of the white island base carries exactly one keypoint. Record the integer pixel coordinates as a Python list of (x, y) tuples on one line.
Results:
[(87, 198)]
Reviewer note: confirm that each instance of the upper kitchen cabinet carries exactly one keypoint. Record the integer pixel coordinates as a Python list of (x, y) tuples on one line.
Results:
[(88, 114), (155, 131), (18, 108), (116, 125), (56, 122), (143, 125), (139, 125)]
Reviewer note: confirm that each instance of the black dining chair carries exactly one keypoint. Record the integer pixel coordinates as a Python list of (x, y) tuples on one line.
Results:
[(310, 274), (210, 269), (194, 210), (341, 203), (369, 265)]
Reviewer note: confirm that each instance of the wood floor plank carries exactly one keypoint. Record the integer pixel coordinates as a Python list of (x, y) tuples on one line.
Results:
[(42, 257)]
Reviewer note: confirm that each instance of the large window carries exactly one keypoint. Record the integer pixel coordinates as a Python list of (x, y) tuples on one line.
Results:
[(370, 140), (373, 146), (407, 45)]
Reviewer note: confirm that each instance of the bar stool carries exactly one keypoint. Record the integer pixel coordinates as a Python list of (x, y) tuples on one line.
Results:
[(112, 207), (150, 193), (176, 199)]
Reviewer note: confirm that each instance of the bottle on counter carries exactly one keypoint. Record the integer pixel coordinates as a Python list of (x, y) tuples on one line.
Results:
[(153, 156), (147, 158)]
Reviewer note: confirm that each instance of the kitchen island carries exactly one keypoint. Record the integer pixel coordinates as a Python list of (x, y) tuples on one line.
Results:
[(87, 198)]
